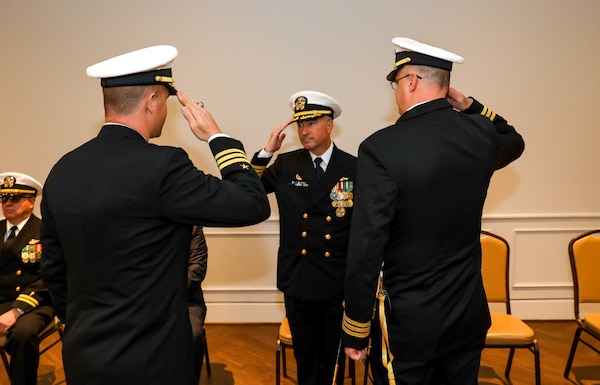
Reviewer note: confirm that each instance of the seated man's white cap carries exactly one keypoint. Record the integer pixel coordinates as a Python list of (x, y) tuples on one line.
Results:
[(144, 67), (16, 183), (409, 51), (308, 105)]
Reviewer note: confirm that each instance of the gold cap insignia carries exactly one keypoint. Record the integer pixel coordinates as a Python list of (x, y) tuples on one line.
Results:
[(300, 103), (9, 181)]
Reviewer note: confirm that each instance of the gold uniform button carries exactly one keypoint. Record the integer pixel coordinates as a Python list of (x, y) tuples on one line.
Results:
[(19, 272), (305, 215), (304, 234), (328, 218), (18, 289), (304, 252), (327, 236), (327, 254)]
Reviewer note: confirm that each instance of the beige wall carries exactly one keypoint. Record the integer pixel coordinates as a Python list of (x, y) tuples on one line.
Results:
[(534, 62)]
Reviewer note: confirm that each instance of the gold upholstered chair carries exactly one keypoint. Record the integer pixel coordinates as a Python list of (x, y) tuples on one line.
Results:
[(584, 255), (507, 330), (284, 341)]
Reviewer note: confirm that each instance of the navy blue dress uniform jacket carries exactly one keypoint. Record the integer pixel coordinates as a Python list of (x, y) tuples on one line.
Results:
[(423, 183), (118, 215), (20, 279), (313, 241)]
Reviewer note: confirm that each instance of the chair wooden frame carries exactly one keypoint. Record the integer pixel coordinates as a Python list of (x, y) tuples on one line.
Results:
[(54, 326), (284, 341), (507, 331), (584, 257), (205, 357)]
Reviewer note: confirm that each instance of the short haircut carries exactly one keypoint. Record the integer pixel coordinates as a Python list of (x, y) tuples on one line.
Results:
[(439, 76), (123, 100)]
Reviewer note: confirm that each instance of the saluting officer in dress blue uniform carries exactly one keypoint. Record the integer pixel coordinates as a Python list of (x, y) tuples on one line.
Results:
[(314, 188), (428, 176), (118, 214), (25, 307)]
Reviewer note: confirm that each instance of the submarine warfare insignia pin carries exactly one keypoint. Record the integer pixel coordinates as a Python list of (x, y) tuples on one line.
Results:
[(341, 196), (298, 182)]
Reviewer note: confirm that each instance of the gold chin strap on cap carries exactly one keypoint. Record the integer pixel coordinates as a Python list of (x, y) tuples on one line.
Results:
[(386, 354), (401, 62), (168, 80), (164, 79), (310, 114)]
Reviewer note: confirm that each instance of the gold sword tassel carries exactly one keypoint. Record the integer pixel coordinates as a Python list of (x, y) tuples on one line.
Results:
[(386, 354)]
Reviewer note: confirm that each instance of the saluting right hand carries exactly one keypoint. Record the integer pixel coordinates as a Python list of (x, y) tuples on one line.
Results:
[(200, 120), (458, 100), (276, 138)]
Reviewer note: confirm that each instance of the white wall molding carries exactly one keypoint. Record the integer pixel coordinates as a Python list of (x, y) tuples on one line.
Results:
[(535, 216), (241, 279), (242, 312)]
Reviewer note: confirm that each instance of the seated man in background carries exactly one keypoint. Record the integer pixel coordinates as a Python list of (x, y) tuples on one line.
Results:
[(25, 308), (196, 305)]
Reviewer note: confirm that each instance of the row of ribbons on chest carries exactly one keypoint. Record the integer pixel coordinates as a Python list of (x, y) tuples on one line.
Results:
[(31, 253), (341, 194)]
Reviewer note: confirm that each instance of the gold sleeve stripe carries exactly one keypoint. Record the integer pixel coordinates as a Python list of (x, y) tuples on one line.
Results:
[(259, 169), (356, 329), (28, 300), (231, 156), (228, 158), (221, 157), (488, 113), (229, 153), (242, 160)]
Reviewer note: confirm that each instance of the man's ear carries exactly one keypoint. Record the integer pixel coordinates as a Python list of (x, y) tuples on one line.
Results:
[(329, 125), (413, 82), (150, 102)]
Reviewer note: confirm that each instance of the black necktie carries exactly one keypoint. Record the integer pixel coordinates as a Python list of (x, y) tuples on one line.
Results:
[(11, 235), (319, 169)]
